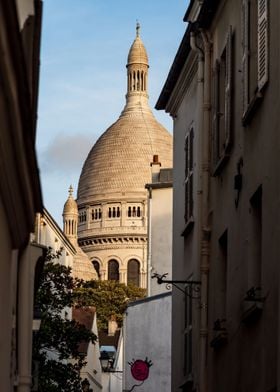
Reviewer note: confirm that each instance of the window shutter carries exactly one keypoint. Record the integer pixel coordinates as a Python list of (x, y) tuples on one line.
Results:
[(245, 56), (191, 137), (215, 119), (191, 150), (262, 43), (228, 89), (187, 158)]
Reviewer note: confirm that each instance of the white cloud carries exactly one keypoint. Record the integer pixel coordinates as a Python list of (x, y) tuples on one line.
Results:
[(65, 154)]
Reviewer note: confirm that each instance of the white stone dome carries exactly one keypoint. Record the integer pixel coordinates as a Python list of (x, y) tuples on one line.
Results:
[(112, 198), (120, 159)]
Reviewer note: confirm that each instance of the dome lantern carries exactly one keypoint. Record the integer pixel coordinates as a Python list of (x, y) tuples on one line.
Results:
[(137, 66)]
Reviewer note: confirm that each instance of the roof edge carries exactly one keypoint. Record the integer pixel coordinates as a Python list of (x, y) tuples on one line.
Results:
[(199, 14)]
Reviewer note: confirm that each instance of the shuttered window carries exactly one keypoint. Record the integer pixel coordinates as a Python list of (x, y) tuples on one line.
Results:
[(222, 104), (255, 52), (262, 43)]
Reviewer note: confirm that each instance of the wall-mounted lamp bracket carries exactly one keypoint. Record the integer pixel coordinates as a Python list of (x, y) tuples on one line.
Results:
[(191, 287)]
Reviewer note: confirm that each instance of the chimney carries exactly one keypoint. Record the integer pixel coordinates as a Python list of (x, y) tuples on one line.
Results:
[(155, 165), (112, 326)]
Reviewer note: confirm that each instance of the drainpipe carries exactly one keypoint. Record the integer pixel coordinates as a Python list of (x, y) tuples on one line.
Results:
[(204, 236), (149, 258)]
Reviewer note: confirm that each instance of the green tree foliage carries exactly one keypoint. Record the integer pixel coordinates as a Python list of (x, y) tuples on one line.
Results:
[(109, 297), (56, 358)]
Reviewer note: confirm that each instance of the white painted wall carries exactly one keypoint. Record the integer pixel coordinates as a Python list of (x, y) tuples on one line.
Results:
[(48, 233), (147, 333), (92, 371), (161, 236)]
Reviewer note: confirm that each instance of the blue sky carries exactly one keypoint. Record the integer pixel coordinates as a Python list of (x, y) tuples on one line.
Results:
[(85, 45)]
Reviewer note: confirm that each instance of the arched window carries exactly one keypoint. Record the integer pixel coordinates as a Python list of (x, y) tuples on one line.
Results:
[(142, 81), (96, 267), (138, 80), (99, 213), (110, 212), (113, 270), (118, 212), (133, 272), (134, 211), (134, 84), (129, 212), (138, 212)]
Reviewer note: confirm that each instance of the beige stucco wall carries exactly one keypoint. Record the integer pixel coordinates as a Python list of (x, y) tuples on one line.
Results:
[(160, 211)]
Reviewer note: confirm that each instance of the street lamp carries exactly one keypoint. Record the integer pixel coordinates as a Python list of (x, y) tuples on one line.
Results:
[(107, 360)]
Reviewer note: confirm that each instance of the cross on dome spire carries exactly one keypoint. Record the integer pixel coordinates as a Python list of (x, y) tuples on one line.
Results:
[(70, 191), (137, 29), (137, 70)]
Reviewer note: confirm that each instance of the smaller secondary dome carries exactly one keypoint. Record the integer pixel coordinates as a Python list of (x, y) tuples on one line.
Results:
[(137, 53), (82, 266), (70, 206)]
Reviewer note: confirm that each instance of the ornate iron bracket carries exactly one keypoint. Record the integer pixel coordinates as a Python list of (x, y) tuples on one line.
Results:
[(191, 289)]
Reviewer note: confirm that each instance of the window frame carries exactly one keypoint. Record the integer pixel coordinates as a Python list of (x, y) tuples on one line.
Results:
[(133, 276), (222, 106), (189, 175)]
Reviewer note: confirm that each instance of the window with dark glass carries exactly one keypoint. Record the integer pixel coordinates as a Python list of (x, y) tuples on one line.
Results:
[(113, 270), (255, 240), (133, 272), (96, 267), (222, 102), (222, 275)]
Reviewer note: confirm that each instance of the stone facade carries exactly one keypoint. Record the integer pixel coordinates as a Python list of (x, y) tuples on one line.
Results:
[(82, 267)]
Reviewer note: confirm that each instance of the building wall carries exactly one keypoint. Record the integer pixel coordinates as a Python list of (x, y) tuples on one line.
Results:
[(49, 234), (185, 250), (7, 301), (20, 193), (92, 371), (257, 144), (160, 214), (119, 238), (149, 337), (239, 229)]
